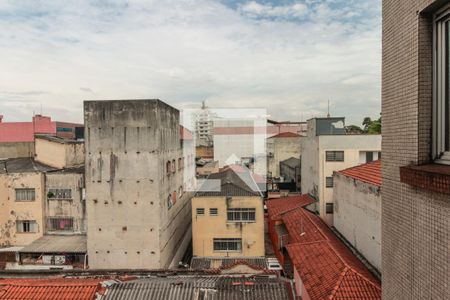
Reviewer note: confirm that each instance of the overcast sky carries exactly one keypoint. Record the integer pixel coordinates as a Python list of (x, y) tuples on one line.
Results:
[(290, 57)]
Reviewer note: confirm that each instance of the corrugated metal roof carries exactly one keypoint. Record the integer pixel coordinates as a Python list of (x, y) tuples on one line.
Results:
[(202, 288), (57, 244), (22, 165), (203, 263)]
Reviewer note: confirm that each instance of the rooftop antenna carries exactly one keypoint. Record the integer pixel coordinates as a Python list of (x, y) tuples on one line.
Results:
[(328, 113)]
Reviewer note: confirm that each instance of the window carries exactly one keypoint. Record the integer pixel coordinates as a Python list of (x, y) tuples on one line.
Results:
[(26, 226), (334, 155), (59, 194), (441, 88), (213, 211), (173, 166), (168, 167), (369, 157), (60, 224), (241, 214), (329, 182), (180, 164), (329, 208), (228, 245), (200, 211), (25, 195)]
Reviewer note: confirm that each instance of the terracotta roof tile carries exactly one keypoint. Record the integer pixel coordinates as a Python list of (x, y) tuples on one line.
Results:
[(369, 172), (51, 288), (277, 207), (328, 269)]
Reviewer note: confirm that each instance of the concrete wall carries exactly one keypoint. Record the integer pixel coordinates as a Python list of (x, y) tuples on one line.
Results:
[(282, 149), (315, 168), (12, 210), (16, 149), (415, 223), (131, 223), (357, 216), (205, 228), (71, 208), (59, 154)]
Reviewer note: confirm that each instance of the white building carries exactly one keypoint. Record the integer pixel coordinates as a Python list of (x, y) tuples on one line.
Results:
[(327, 148), (203, 126), (357, 209)]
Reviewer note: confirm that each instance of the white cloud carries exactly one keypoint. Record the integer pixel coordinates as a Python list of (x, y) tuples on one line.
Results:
[(183, 52), (266, 10)]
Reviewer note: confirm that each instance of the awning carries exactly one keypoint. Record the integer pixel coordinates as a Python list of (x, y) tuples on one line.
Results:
[(57, 244)]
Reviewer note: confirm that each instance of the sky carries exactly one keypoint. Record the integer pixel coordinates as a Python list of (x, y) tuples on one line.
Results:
[(290, 57)]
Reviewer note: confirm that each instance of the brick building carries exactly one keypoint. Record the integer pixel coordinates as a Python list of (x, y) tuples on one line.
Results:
[(415, 182)]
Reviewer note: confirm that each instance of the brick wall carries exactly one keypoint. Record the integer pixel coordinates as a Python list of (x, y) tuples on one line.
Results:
[(415, 223)]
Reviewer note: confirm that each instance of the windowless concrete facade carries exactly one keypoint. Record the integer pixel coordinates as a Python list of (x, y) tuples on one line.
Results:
[(137, 217)]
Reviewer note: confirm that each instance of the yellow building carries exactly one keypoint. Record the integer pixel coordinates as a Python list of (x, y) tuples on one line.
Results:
[(228, 217)]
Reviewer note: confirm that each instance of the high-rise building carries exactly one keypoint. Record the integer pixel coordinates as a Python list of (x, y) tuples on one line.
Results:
[(415, 186)]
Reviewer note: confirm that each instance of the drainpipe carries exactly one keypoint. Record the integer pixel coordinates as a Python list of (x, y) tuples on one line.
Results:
[(85, 260)]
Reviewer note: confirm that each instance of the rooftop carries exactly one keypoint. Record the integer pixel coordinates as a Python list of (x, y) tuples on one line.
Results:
[(49, 288), (201, 287), (277, 207), (368, 173), (327, 268), (206, 263), (286, 135), (57, 139), (229, 183), (22, 165), (57, 244), (291, 162)]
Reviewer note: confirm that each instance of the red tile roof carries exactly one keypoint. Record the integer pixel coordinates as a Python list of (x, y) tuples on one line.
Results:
[(277, 207), (50, 288), (328, 269), (369, 172), (285, 135)]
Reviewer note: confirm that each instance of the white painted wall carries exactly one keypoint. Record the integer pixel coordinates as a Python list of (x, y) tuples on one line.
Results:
[(357, 216)]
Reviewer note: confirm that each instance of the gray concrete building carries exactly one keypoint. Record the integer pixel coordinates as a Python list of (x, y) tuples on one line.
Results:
[(279, 148), (138, 217), (415, 172)]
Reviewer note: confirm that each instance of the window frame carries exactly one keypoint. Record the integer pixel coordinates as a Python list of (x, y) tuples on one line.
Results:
[(58, 191), (212, 213), (227, 242), (53, 220), (334, 159), (32, 226), (28, 190), (238, 213), (198, 209), (327, 206), (441, 88), (326, 182)]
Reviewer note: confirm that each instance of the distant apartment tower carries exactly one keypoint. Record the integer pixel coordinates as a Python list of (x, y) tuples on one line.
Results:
[(138, 212), (415, 188), (203, 124), (327, 148)]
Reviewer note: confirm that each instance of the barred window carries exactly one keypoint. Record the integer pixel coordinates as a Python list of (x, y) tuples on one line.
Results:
[(59, 224), (25, 194), (24, 226), (200, 211), (228, 245), (329, 182), (213, 211), (59, 194), (241, 214), (334, 155)]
